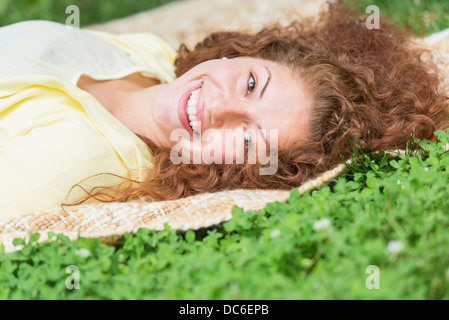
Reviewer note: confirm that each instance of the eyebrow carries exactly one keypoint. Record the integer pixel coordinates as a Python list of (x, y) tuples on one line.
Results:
[(266, 83)]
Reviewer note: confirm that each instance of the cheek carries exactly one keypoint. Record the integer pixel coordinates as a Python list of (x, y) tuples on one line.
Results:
[(218, 71), (214, 147), (223, 146)]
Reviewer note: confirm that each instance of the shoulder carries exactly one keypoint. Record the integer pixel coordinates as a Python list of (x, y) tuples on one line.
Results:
[(147, 47)]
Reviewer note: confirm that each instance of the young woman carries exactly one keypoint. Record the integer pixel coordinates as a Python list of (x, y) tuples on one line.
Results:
[(111, 117)]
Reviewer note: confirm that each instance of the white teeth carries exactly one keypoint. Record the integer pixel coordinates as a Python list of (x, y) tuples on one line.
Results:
[(192, 102), (195, 125), (192, 110)]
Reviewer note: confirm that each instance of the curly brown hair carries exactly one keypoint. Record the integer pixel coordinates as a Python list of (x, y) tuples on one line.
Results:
[(368, 86)]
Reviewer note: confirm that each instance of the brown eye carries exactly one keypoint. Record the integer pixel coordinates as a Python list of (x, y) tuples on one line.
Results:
[(251, 84)]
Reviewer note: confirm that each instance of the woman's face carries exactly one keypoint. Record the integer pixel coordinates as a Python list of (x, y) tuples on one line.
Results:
[(220, 99)]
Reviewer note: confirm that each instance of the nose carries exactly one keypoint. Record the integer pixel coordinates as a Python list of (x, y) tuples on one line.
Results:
[(228, 114), (225, 133), (226, 108), (225, 102)]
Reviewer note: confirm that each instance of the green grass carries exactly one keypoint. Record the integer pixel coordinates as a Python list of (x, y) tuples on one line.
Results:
[(91, 12), (276, 253), (426, 16)]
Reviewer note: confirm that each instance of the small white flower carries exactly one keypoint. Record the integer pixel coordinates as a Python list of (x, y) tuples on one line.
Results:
[(426, 169), (394, 247), (322, 225), (83, 253), (399, 181), (275, 233)]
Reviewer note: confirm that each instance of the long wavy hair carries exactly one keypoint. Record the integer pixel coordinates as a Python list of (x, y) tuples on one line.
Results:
[(368, 86)]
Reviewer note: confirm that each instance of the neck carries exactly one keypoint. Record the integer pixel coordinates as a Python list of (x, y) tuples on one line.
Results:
[(135, 111), (131, 100)]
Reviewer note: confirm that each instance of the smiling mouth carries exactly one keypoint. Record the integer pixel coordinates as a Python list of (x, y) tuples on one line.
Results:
[(192, 110), (189, 110)]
